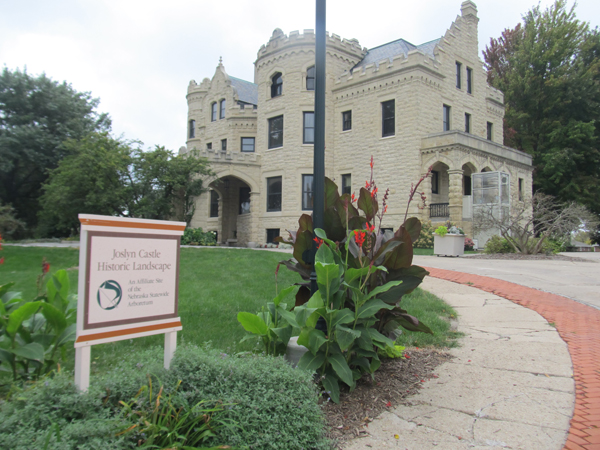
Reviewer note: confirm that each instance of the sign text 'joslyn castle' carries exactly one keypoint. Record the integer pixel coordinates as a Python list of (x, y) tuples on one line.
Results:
[(410, 106)]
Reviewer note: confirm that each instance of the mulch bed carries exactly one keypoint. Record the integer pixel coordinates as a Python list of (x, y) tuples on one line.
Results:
[(519, 256), (395, 380)]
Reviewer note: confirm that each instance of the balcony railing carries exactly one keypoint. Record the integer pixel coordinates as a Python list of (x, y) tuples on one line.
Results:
[(439, 210)]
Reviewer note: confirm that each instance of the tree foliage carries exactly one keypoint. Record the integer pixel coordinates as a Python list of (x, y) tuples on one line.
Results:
[(104, 175), (37, 115), (549, 71)]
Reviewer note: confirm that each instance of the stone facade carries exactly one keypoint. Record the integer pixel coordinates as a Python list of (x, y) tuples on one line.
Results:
[(409, 109)]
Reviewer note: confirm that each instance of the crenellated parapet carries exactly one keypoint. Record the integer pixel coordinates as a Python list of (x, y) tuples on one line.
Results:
[(280, 45)]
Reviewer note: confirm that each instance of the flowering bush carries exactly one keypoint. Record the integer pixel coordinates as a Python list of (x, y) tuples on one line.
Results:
[(426, 237), (469, 244), (362, 274)]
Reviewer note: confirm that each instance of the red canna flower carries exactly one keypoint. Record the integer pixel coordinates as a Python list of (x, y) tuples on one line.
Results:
[(371, 161), (45, 267), (359, 237), (370, 228), (318, 241), (353, 198), (367, 184), (374, 192), (2, 260)]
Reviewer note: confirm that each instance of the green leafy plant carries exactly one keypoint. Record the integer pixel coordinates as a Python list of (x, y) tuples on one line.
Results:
[(33, 333), (497, 244), (362, 275), (269, 324), (426, 237), (441, 231), (195, 236)]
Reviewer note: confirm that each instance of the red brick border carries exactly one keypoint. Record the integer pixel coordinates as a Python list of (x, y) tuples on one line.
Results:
[(579, 326)]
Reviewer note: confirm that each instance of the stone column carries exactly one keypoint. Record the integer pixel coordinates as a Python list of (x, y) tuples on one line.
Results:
[(455, 195), (256, 234), (426, 188)]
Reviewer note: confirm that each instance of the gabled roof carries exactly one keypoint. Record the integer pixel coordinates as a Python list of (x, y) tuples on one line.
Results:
[(388, 51), (247, 91)]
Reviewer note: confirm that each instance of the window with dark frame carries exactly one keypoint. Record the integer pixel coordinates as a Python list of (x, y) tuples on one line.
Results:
[(466, 185), (244, 200), (469, 80), (520, 189), (192, 132), (214, 204), (435, 179), (346, 184), (209, 146), (276, 132), (276, 85), (310, 78), (273, 194), (307, 192), (388, 118), (490, 130), (248, 144), (222, 109), (223, 145), (467, 123), (458, 75), (308, 128), (213, 113), (446, 113), (346, 120), (272, 233)]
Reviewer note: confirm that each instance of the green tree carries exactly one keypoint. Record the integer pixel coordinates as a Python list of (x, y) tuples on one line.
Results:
[(108, 176), (549, 71), (37, 115)]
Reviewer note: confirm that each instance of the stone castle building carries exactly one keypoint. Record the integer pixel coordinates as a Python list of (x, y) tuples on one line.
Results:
[(410, 106)]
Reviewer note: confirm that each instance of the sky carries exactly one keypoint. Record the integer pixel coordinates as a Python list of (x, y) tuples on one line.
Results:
[(139, 56)]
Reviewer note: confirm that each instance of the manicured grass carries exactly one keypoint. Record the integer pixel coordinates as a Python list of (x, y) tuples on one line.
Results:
[(434, 313), (429, 251)]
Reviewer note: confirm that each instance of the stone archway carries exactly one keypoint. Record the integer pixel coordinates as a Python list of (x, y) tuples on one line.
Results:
[(234, 210)]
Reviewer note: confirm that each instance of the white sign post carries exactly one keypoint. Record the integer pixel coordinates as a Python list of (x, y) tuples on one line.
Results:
[(128, 284)]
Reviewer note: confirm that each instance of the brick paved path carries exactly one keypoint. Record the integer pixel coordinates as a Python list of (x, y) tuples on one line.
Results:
[(579, 327)]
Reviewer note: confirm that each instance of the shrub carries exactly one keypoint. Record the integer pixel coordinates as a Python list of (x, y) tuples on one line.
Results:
[(469, 244), (426, 237), (496, 244), (441, 231), (195, 236)]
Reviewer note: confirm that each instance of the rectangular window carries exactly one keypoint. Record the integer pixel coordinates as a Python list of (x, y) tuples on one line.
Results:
[(273, 194), (248, 144), (222, 109), (469, 80), (446, 118), (244, 200), (490, 130), (467, 123), (388, 118), (466, 185), (308, 134), (458, 73), (276, 132), (223, 145), (346, 183), (214, 204), (307, 192), (520, 189), (310, 79), (192, 133), (435, 179), (346, 120), (272, 233), (213, 112)]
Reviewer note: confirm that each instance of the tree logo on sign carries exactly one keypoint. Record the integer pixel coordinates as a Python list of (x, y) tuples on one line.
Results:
[(109, 295)]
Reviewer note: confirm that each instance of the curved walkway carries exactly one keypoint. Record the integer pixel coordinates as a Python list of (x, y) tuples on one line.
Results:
[(579, 327)]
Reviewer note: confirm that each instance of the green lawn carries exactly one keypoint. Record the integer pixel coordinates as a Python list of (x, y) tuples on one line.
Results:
[(215, 284)]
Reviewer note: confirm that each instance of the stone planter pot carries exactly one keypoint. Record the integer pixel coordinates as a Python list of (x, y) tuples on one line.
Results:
[(294, 351), (449, 245)]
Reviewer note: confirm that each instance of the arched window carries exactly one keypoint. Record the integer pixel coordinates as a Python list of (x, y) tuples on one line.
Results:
[(310, 79), (213, 111), (222, 109), (276, 85)]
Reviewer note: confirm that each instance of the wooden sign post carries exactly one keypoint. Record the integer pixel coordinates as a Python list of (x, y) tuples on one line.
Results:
[(128, 284)]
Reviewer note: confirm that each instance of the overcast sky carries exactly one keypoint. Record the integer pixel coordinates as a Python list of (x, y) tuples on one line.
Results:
[(139, 56)]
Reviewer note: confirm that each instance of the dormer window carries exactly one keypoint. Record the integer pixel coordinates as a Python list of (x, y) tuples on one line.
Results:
[(276, 85), (310, 79), (222, 109)]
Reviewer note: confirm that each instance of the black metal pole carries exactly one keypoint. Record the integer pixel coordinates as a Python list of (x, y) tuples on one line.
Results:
[(319, 151)]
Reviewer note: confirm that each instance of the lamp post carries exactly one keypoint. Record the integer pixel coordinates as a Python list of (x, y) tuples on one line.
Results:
[(319, 149)]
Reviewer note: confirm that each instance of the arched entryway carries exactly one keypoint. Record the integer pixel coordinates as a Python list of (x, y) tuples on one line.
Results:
[(440, 192), (233, 210)]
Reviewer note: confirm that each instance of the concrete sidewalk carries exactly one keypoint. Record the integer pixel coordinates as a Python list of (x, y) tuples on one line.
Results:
[(510, 384)]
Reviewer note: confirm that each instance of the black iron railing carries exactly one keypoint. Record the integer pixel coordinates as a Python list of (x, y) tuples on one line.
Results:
[(439, 210)]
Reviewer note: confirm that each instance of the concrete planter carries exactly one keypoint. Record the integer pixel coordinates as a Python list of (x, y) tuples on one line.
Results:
[(449, 245), (294, 351)]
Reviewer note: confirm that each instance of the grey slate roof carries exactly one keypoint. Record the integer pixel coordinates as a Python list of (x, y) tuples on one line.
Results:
[(247, 91), (388, 51)]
